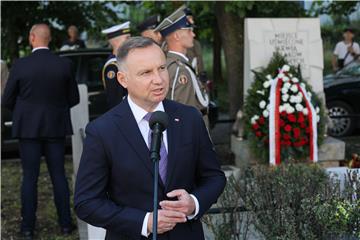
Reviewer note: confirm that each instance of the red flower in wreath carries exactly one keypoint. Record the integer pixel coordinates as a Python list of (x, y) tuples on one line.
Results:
[(255, 126), (258, 134), (286, 136), (283, 114), (282, 123), (287, 128), (301, 118), (302, 125), (291, 118), (296, 132), (261, 120)]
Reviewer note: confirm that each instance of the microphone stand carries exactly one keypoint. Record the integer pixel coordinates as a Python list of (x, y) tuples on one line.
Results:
[(155, 157)]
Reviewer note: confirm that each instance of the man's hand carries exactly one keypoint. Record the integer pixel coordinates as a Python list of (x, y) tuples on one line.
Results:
[(185, 203), (167, 220)]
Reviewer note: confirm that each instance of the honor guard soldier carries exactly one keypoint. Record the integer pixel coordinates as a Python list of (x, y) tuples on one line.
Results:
[(116, 36), (185, 87), (146, 29)]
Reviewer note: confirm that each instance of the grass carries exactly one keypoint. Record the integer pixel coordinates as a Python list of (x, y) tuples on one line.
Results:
[(46, 225)]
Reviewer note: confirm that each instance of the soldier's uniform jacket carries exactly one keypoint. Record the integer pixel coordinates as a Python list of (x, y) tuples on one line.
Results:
[(184, 86), (195, 57), (114, 91)]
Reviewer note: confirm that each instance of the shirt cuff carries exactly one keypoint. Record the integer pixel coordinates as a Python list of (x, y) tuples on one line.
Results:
[(196, 208), (144, 231)]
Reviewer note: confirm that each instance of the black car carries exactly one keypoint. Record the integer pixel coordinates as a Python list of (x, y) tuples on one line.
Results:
[(88, 65), (342, 91)]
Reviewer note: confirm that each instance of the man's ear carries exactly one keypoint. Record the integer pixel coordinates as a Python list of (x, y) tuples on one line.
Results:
[(122, 79)]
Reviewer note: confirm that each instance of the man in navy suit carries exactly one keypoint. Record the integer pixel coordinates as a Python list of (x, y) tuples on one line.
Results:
[(40, 91), (114, 187)]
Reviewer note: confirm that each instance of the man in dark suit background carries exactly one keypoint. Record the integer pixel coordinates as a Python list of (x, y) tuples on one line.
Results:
[(114, 187), (40, 91)]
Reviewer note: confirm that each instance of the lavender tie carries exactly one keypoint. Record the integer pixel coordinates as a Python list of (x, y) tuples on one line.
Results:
[(163, 153)]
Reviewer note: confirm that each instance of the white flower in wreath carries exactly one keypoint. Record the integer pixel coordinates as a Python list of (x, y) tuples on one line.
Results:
[(266, 113), (295, 80), (285, 79), (317, 109), (294, 99), (286, 68), (289, 109), (281, 108), (299, 107), (266, 84), (299, 98), (254, 118), (268, 107), (309, 94), (290, 75), (285, 97), (287, 85), (262, 92), (262, 104), (284, 90), (294, 88), (305, 111), (269, 77), (280, 75)]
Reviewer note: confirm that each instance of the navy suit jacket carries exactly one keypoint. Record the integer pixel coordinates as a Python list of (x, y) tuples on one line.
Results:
[(114, 186), (40, 91)]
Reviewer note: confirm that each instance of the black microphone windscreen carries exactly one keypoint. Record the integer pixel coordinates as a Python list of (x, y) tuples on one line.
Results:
[(159, 117)]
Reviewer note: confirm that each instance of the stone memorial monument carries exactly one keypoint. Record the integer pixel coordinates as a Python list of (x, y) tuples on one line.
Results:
[(299, 40), (79, 119)]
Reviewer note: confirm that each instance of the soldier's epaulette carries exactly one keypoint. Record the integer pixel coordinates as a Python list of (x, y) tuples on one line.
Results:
[(111, 61), (177, 61)]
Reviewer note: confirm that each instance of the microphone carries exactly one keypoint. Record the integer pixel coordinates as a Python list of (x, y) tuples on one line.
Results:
[(158, 122)]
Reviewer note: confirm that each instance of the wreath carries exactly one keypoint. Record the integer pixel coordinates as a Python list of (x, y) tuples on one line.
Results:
[(284, 119)]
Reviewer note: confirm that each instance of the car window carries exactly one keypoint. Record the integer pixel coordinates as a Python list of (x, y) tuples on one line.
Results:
[(75, 60), (352, 69), (92, 71)]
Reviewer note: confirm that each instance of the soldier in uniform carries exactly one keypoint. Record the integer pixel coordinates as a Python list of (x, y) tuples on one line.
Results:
[(116, 35), (185, 87), (146, 29)]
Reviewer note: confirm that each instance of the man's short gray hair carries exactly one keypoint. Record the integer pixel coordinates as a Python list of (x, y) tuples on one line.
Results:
[(129, 45)]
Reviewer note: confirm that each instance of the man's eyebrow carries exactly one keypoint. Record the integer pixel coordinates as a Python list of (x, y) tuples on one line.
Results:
[(144, 70)]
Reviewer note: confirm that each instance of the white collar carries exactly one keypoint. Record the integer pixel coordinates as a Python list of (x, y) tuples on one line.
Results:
[(139, 112), (38, 48), (180, 54)]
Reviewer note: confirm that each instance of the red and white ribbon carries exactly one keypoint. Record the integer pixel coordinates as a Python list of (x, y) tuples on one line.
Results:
[(274, 126)]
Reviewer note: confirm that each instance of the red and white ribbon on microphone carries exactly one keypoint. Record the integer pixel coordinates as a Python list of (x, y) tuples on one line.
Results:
[(274, 126)]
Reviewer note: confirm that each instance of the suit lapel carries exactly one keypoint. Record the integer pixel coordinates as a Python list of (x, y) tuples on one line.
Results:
[(173, 133), (128, 127)]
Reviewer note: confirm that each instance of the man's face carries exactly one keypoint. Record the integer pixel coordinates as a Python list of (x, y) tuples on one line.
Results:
[(186, 37), (73, 32), (156, 36), (145, 76), (119, 40), (348, 36)]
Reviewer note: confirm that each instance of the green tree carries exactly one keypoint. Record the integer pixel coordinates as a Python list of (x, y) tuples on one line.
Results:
[(18, 17)]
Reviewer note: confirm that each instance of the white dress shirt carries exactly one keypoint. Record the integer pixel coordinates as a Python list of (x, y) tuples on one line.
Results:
[(38, 48), (139, 114)]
